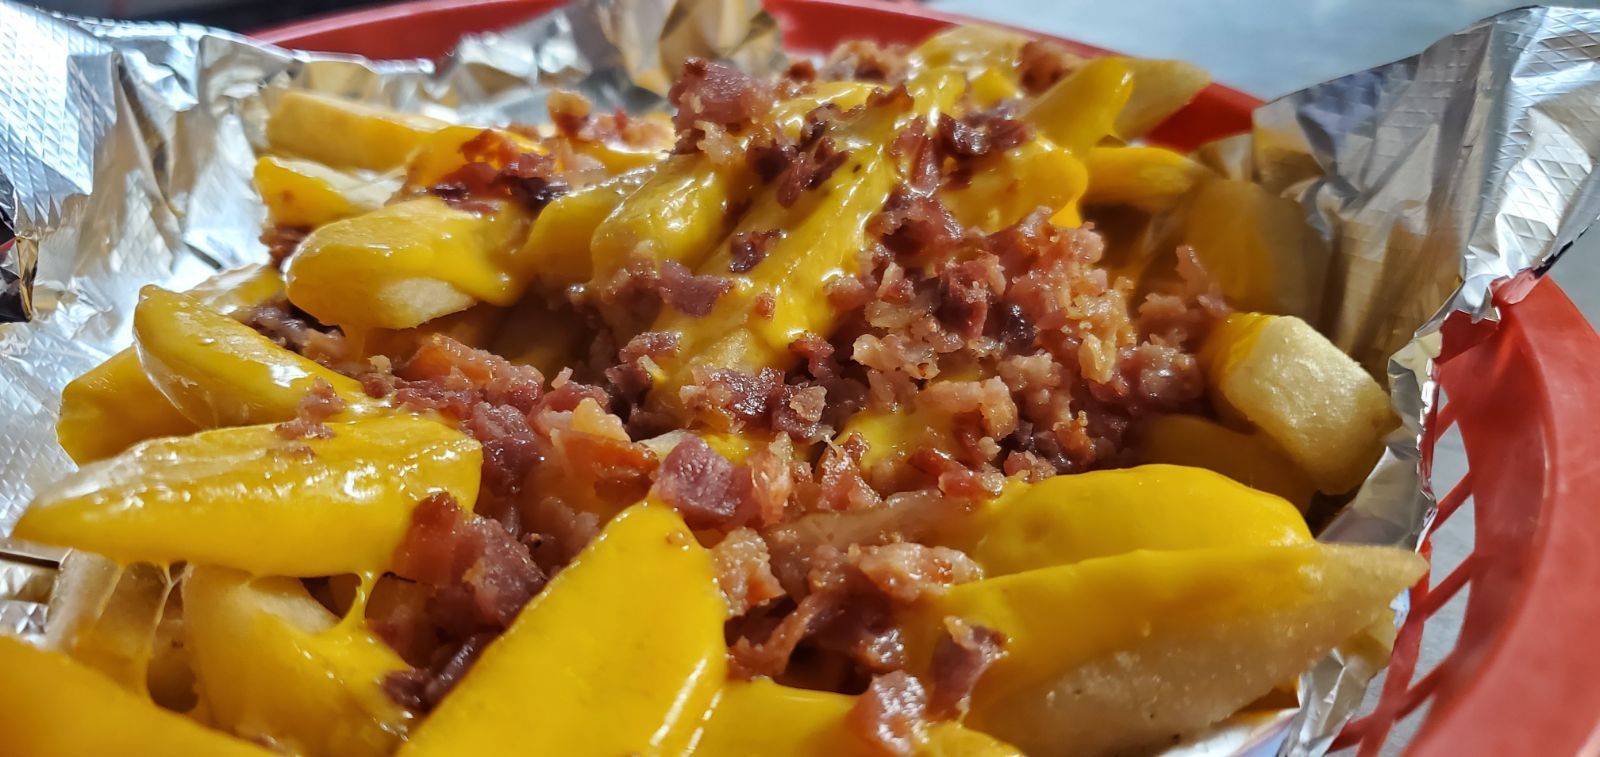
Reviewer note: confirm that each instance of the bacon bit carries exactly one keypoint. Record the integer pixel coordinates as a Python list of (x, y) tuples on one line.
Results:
[(801, 71), (293, 329), (771, 480), (735, 398), (749, 248), (1016, 329), (798, 413), (765, 306), (689, 294), (496, 167), (282, 241), (960, 657), (715, 92), (631, 374), (319, 404), (980, 134), (569, 111), (701, 484), (748, 659), (915, 225), (967, 290), (810, 169), (744, 571), (1042, 64), (951, 477), (919, 156), (478, 575), (421, 689), (867, 61), (906, 571), (818, 354), (891, 714), (841, 486)]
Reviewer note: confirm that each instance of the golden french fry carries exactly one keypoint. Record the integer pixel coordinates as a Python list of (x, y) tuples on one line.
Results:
[(1252, 243), (409, 263), (247, 498), (220, 372), (308, 194), (45, 717), (1079, 111), (616, 679), (1120, 653), (344, 133), (1316, 403), (1153, 179), (275, 666), (1160, 88), (1249, 458)]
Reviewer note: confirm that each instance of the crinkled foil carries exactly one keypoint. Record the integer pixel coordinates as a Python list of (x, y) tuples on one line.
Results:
[(126, 152)]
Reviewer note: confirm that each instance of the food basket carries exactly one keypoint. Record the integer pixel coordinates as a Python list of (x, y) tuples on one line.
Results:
[(1518, 393), (1517, 678)]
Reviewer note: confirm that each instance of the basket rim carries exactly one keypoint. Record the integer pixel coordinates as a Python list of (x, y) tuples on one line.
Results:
[(1541, 326)]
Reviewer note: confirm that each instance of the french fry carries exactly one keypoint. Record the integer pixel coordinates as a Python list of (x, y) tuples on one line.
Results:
[(344, 133), (114, 405), (1249, 458), (275, 666), (439, 154), (1118, 654), (822, 232), (1009, 185), (220, 372), (1153, 179), (558, 252), (1250, 242), (1068, 519), (1160, 89), (45, 717), (1079, 111), (409, 263), (307, 194), (595, 639), (1316, 403), (247, 498)]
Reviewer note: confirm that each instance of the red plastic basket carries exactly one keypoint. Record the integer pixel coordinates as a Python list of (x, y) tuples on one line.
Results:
[(1518, 681)]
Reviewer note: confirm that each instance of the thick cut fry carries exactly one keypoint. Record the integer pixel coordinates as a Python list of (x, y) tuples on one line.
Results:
[(760, 718), (1249, 458), (679, 214), (247, 498), (1252, 243), (343, 133), (1160, 89), (1082, 109), (1320, 406), (220, 372), (46, 697), (1007, 186), (822, 233), (557, 251), (974, 48), (626, 644), (1120, 653), (473, 327), (275, 666), (1068, 519), (114, 405), (105, 616), (308, 194), (408, 263), (1152, 179)]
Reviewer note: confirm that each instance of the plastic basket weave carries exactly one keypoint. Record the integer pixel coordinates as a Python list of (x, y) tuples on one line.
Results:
[(1520, 678)]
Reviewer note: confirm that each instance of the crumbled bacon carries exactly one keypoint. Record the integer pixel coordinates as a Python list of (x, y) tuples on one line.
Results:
[(913, 225), (919, 156), (318, 405), (809, 170), (980, 134), (480, 576), (891, 714), (744, 571), (497, 167), (690, 294), (750, 248), (631, 374), (906, 571), (715, 92), (293, 329), (765, 306), (282, 241), (866, 60), (839, 481), (1042, 63), (960, 657), (702, 485), (421, 689)]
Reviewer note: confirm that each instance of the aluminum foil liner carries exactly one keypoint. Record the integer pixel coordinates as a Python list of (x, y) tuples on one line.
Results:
[(126, 149)]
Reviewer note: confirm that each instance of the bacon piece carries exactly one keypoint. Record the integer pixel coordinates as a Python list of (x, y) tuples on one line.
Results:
[(702, 485), (744, 571), (960, 656), (715, 92), (891, 714), (690, 294), (750, 248), (319, 404)]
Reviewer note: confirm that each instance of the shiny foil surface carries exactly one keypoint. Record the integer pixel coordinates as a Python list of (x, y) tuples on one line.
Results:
[(126, 152)]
